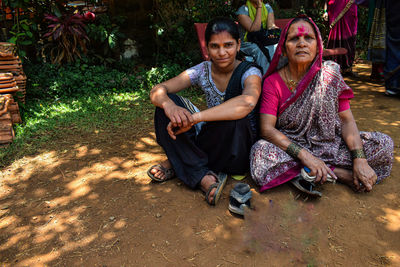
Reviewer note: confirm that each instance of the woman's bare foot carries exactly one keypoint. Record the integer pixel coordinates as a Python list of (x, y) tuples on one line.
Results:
[(205, 184), (346, 177), (160, 174)]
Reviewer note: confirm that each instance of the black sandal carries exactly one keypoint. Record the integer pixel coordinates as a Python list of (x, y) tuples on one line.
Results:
[(239, 198), (305, 186)]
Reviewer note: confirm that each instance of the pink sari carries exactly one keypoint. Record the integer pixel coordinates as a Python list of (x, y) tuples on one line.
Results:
[(310, 118), (343, 33)]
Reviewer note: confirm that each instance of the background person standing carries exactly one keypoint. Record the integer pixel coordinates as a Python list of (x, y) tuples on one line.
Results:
[(392, 64), (342, 17)]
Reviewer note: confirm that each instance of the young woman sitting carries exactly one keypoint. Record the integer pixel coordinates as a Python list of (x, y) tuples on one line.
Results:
[(202, 146)]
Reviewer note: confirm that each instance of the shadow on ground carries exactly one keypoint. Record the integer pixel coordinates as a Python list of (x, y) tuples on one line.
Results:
[(88, 201)]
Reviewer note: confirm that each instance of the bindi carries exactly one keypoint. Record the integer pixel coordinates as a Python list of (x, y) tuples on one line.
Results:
[(301, 30)]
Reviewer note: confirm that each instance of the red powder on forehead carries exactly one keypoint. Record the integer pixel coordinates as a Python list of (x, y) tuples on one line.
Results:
[(301, 30)]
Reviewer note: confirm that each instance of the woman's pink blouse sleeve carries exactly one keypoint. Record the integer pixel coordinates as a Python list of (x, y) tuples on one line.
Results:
[(344, 99), (269, 99)]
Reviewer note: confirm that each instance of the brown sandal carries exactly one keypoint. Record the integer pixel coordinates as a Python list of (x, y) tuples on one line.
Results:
[(219, 185), (169, 173)]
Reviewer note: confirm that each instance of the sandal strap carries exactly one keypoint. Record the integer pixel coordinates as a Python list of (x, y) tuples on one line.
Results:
[(241, 198), (213, 174), (214, 185), (169, 173), (305, 186)]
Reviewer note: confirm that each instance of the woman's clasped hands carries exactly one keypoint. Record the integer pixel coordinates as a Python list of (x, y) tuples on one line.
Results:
[(181, 120)]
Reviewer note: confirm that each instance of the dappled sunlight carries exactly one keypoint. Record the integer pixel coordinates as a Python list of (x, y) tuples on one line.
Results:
[(81, 151), (394, 257), (52, 186), (120, 224), (55, 253), (382, 122), (88, 201), (222, 231), (7, 221), (391, 196), (144, 142), (14, 240), (7, 190), (391, 219), (79, 192), (145, 188), (109, 235)]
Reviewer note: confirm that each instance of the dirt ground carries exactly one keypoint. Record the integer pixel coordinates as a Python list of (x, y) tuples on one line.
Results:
[(87, 201)]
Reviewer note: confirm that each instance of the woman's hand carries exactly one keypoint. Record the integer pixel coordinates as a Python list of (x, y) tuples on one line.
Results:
[(318, 167), (174, 131), (179, 116), (257, 3), (363, 173)]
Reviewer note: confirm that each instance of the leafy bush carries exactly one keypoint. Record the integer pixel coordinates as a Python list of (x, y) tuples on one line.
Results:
[(66, 37), (172, 24), (22, 35), (48, 81), (105, 37), (362, 34)]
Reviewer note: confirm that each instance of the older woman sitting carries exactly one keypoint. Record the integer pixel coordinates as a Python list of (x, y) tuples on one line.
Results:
[(306, 121)]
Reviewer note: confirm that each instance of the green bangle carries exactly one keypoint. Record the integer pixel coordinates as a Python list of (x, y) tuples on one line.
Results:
[(293, 150), (358, 154)]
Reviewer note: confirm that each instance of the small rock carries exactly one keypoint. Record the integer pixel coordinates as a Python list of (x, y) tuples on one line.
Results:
[(112, 218), (153, 197), (158, 215), (166, 242), (153, 245)]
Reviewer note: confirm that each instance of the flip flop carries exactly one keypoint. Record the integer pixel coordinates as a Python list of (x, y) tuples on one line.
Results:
[(169, 173), (219, 185), (239, 198), (305, 186)]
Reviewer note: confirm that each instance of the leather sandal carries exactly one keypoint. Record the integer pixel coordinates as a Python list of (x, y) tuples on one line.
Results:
[(219, 185), (169, 173)]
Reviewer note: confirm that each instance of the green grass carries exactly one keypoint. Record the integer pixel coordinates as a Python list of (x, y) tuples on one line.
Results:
[(48, 121), (45, 122)]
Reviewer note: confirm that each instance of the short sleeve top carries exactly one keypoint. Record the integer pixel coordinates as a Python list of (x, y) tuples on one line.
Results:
[(244, 10), (200, 75)]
